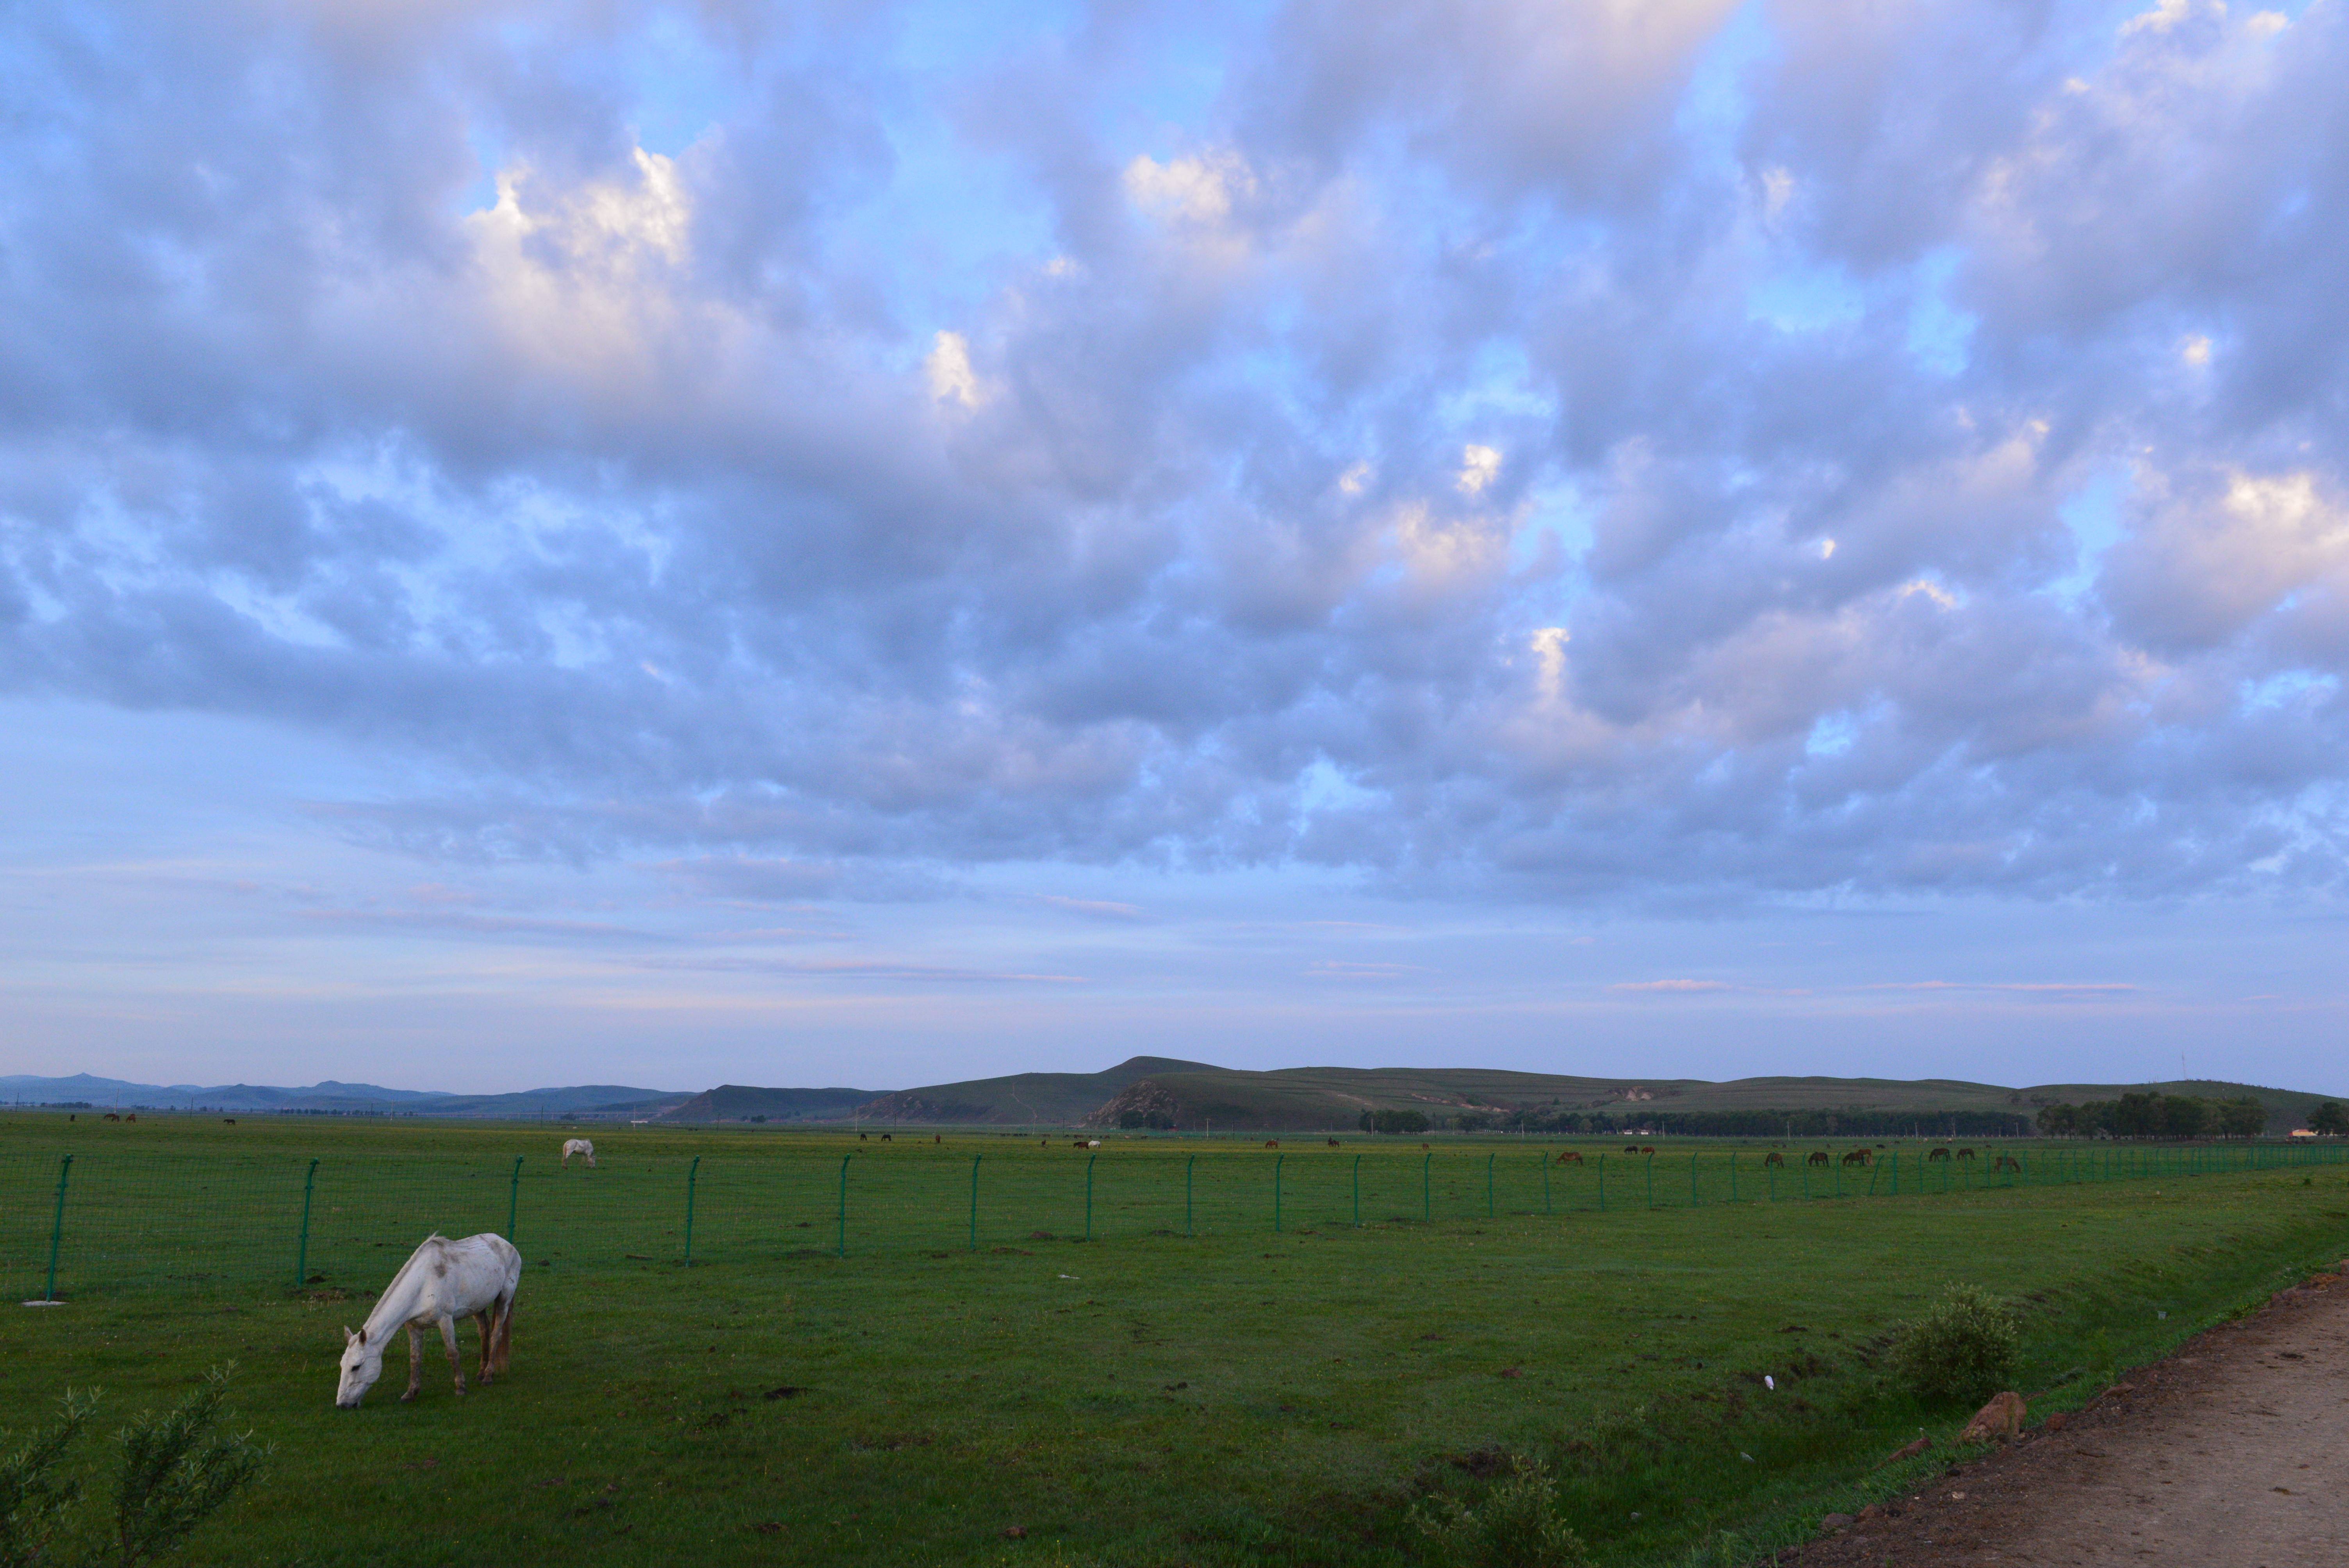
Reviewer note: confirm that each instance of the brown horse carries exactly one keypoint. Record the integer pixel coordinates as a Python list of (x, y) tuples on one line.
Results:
[(1774, 1158), (1965, 1154), (1272, 1143), (1939, 1154), (1859, 1157), (1570, 1158), (1818, 1157)]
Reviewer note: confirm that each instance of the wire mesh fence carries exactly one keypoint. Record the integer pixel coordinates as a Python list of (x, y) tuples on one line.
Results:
[(102, 1220)]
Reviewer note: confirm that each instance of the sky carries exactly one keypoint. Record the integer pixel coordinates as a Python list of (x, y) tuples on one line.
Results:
[(874, 544)]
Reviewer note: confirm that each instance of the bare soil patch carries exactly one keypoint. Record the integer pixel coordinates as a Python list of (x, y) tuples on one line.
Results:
[(2232, 1453)]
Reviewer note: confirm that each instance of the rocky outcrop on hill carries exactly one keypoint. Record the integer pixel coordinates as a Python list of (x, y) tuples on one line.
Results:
[(1140, 1104)]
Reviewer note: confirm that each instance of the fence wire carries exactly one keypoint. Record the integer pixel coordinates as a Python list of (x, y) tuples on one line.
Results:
[(105, 1221)]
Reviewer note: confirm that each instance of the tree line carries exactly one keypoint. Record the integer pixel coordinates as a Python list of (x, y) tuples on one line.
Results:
[(1843, 1123), (2150, 1115)]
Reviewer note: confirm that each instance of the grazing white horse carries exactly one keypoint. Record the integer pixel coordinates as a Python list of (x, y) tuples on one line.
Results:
[(571, 1146), (441, 1281)]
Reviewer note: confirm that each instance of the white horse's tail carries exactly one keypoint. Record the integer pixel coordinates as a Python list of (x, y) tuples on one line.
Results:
[(505, 1333)]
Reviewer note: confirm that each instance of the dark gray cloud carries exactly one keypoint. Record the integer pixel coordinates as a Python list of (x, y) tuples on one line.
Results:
[(1583, 451)]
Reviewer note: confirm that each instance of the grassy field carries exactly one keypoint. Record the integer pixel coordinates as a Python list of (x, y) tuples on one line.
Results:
[(1148, 1397)]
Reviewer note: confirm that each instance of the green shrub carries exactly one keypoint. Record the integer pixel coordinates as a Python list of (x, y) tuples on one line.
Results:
[(1515, 1526), (1963, 1351), (33, 1497), (178, 1469)]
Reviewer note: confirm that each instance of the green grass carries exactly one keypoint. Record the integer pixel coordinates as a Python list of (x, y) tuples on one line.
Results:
[(1235, 1396)]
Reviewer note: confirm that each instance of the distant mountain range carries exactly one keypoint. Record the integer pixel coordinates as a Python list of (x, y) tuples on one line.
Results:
[(1167, 1092), (346, 1098)]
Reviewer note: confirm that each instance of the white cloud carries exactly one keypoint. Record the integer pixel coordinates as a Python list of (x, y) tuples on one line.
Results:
[(1199, 189), (2169, 13), (948, 369), (1479, 466)]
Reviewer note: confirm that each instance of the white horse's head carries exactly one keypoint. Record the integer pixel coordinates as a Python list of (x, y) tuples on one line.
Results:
[(362, 1365)]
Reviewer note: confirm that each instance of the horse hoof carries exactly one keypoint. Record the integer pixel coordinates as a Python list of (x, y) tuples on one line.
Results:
[(409, 1398)]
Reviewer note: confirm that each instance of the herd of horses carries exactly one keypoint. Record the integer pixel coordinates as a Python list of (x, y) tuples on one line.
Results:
[(1822, 1157)]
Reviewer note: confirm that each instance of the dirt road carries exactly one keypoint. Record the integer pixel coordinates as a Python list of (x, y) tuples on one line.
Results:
[(2233, 1453)]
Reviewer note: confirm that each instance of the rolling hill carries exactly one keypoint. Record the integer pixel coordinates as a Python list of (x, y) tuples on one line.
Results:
[(1193, 1095)]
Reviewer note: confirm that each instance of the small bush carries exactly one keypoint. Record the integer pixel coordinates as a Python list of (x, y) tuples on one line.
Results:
[(1516, 1526), (33, 1497), (178, 1469), (1963, 1351)]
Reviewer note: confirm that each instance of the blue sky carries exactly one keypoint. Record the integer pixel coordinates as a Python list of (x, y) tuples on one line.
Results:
[(874, 544)]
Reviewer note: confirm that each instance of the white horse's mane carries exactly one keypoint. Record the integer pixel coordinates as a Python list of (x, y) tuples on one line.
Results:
[(391, 1290)]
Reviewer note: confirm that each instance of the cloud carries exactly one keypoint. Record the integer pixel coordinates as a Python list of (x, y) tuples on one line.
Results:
[(2027, 988), (1197, 189), (1094, 908), (1402, 415), (951, 377)]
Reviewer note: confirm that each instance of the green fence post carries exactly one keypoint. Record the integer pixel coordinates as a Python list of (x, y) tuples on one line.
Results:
[(1186, 1195), (1488, 1186), (841, 1246), (1835, 1167), (302, 1248), (1692, 1178), (1896, 1173), (1650, 1163), (974, 1202), (1088, 1195), (1733, 1175), (513, 1197), (1544, 1157), (1358, 1191), (691, 1171), (1427, 1203), (57, 1227), (1276, 1192), (1602, 1183)]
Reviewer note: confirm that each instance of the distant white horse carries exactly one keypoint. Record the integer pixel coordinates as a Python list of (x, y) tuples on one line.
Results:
[(441, 1281), (571, 1146)]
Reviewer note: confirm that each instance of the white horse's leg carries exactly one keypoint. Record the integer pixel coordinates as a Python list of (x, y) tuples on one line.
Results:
[(415, 1364), (486, 1321), (448, 1339)]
